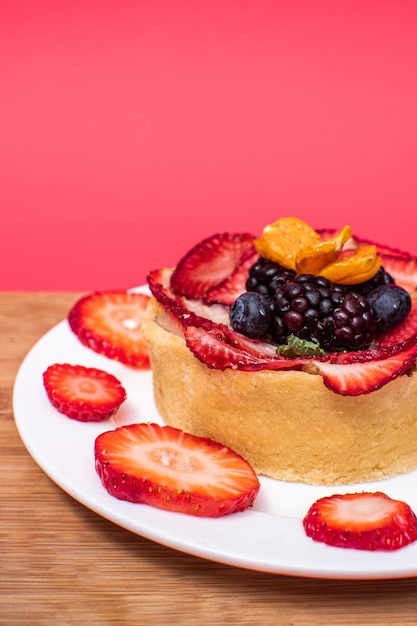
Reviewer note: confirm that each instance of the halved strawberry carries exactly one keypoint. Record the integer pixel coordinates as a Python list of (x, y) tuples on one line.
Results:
[(364, 376), (363, 521), (110, 323), (210, 262), (83, 393), (172, 470)]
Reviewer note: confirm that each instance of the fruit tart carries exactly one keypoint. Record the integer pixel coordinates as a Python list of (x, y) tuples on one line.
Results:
[(297, 349)]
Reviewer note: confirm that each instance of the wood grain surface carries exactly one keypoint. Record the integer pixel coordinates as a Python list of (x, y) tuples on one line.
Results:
[(63, 564)]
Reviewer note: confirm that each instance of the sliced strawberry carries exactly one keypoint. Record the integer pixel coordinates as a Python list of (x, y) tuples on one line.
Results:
[(110, 322), (209, 263), (83, 393), (169, 322), (363, 521), (233, 286), (364, 376), (188, 312), (219, 347), (209, 338), (159, 284), (402, 269), (172, 470)]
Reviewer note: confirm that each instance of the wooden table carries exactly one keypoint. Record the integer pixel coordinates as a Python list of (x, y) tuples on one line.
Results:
[(63, 564)]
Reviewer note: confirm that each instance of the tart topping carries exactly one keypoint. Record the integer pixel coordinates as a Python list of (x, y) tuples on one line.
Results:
[(110, 323), (313, 259), (217, 346), (382, 277), (403, 331), (366, 371), (322, 292), (403, 267), (295, 245), (250, 315), (266, 277), (282, 241), (354, 268), (337, 317), (363, 521), (300, 347), (212, 263), (391, 305), (316, 325), (173, 470), (312, 308), (83, 393)]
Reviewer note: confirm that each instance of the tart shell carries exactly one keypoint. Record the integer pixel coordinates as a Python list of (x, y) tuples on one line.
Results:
[(287, 424)]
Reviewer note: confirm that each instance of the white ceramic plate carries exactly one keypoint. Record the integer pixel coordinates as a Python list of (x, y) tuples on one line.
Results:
[(269, 537)]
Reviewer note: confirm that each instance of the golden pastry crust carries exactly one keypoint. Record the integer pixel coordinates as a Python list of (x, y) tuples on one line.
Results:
[(287, 424)]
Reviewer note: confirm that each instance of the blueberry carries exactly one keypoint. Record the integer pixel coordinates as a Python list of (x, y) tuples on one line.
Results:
[(250, 315), (391, 304)]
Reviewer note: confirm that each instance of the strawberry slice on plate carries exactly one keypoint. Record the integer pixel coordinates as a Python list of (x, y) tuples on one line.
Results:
[(86, 394), (169, 469), (110, 323), (363, 521), (211, 262)]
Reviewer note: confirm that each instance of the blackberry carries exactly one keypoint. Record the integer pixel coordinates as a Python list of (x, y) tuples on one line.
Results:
[(312, 308), (265, 277), (381, 278)]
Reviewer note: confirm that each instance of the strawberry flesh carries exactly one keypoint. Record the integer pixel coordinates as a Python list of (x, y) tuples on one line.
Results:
[(218, 347), (211, 262), (364, 376), (86, 394), (213, 343), (233, 286), (212, 340), (109, 323), (362, 521), (166, 468)]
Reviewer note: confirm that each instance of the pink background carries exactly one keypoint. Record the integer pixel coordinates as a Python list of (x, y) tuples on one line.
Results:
[(131, 129)]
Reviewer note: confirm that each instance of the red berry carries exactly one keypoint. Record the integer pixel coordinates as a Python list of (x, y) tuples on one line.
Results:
[(83, 393), (110, 323), (214, 264), (358, 373), (166, 468), (364, 521)]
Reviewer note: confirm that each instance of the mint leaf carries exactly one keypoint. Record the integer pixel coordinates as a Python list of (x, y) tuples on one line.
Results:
[(300, 347)]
